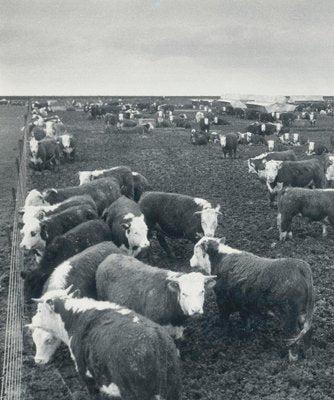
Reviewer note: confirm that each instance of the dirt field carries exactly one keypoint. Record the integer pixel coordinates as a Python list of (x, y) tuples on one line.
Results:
[(248, 366)]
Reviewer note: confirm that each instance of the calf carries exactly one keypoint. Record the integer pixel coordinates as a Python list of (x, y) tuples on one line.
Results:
[(44, 153), (60, 249), (103, 191), (67, 146), (316, 204), (229, 144), (115, 351), (127, 225), (121, 174), (163, 296), (250, 284), (178, 216), (279, 174), (79, 273)]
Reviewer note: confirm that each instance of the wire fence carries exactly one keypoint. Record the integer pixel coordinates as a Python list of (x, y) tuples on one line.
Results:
[(12, 363)]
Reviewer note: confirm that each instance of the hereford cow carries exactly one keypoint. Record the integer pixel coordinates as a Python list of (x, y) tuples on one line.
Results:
[(249, 284), (67, 146), (316, 205), (229, 144), (127, 225), (115, 351), (163, 296), (257, 164), (178, 216), (44, 153)]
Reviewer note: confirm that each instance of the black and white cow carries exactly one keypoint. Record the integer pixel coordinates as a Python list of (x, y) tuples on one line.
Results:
[(178, 216), (60, 249), (44, 153), (127, 225), (122, 174), (164, 296), (79, 273), (67, 146), (103, 191), (229, 144), (315, 204), (116, 352), (249, 284)]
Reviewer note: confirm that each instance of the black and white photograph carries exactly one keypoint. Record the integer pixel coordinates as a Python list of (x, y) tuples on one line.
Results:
[(167, 200)]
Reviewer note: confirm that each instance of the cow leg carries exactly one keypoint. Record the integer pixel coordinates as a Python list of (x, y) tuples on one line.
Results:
[(163, 243), (291, 329), (307, 340), (284, 226)]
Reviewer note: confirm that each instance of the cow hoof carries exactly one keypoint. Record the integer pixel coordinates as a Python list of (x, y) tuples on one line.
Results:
[(292, 357)]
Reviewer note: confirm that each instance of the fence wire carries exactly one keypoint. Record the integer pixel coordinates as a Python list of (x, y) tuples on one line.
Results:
[(13, 346)]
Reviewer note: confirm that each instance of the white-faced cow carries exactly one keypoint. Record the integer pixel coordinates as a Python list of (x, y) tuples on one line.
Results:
[(249, 284), (164, 296), (116, 352)]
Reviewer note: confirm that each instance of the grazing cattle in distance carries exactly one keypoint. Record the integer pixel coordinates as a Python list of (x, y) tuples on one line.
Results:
[(40, 233), (316, 149), (140, 185), (103, 191), (127, 225), (44, 153), (138, 358), (60, 249), (229, 144), (257, 164), (249, 284), (315, 204), (122, 174), (67, 146), (178, 216), (79, 273), (198, 138), (163, 296), (279, 174)]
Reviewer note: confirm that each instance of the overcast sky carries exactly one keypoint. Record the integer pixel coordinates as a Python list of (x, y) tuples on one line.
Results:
[(166, 47)]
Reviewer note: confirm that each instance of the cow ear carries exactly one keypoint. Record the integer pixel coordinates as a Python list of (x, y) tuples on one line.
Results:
[(210, 281), (30, 327), (125, 225), (44, 233), (173, 286), (41, 215), (222, 240), (20, 225)]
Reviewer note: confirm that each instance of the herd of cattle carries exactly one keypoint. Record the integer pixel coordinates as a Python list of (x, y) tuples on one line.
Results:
[(120, 316)]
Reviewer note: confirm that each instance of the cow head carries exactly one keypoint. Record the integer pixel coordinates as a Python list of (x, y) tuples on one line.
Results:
[(271, 144), (271, 170), (286, 136), (222, 139), (46, 344), (66, 141), (33, 145), (310, 147), (84, 177), (295, 137), (34, 198), (135, 232), (190, 289), (32, 233), (257, 163), (249, 136), (209, 220)]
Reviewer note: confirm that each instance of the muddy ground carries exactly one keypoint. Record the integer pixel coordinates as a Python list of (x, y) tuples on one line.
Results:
[(245, 365)]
